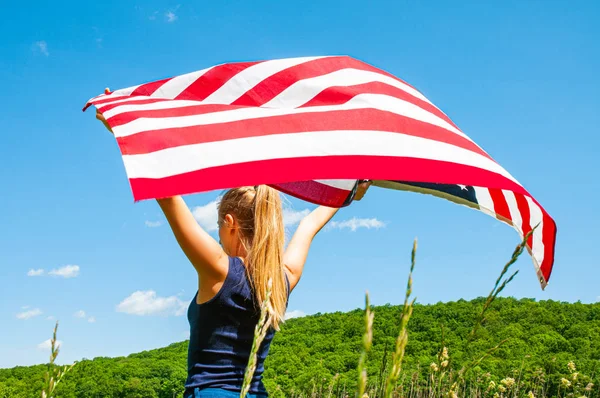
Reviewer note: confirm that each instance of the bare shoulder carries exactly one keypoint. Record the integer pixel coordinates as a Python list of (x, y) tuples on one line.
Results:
[(215, 269), (211, 279)]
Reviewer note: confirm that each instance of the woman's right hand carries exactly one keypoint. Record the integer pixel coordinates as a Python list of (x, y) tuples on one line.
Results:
[(362, 190)]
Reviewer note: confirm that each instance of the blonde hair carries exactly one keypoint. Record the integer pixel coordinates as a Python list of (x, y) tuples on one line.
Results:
[(258, 213)]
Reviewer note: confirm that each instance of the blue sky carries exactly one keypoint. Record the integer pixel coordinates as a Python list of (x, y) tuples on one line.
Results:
[(520, 78)]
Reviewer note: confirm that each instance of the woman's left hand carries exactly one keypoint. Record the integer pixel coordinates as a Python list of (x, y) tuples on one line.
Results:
[(100, 117)]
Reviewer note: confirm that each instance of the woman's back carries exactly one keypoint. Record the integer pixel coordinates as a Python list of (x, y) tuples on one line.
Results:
[(221, 335), (250, 226)]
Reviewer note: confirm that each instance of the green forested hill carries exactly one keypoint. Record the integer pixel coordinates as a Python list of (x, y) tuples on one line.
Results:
[(314, 355)]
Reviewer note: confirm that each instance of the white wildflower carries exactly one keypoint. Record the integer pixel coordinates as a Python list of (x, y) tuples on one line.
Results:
[(508, 382), (445, 353), (589, 387)]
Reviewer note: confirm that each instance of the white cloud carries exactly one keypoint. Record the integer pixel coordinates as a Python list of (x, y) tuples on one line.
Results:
[(153, 224), (50, 318), (294, 314), (92, 319), (355, 223), (79, 314), (42, 47), (25, 307), (47, 345), (207, 215), (148, 303), (35, 272), (29, 314), (171, 17), (68, 271), (291, 216)]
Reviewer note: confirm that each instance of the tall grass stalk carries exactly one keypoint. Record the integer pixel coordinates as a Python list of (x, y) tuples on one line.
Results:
[(402, 339), (333, 382), (382, 370), (54, 374), (260, 331), (497, 289), (367, 340)]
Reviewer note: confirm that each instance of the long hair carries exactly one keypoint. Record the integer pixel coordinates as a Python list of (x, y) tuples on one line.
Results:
[(258, 213)]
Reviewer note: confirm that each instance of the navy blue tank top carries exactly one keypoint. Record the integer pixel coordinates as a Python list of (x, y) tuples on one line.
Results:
[(221, 334)]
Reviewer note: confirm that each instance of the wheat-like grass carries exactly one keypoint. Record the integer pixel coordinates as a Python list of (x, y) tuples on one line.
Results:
[(458, 385), (498, 287), (367, 340), (402, 339), (260, 331), (54, 374)]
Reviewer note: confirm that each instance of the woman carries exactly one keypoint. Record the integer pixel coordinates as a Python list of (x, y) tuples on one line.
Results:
[(233, 277)]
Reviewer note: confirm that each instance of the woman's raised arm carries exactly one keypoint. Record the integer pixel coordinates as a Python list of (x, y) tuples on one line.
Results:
[(296, 252), (205, 253)]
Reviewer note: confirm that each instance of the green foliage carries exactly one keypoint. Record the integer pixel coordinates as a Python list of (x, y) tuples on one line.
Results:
[(544, 335), (308, 353)]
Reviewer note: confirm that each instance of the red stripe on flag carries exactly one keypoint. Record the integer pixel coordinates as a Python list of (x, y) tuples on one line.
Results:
[(549, 234), (93, 100), (374, 69), (109, 98), (212, 80), (106, 108), (314, 192), (190, 110), (149, 88), (549, 239), (338, 95), (500, 205), (278, 171), (355, 119), (275, 84), (523, 206)]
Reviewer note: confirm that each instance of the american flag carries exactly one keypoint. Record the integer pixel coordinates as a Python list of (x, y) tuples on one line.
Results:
[(311, 127)]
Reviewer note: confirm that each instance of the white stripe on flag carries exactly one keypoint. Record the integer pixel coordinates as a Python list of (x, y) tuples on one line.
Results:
[(96, 98), (172, 88), (535, 218), (250, 77), (121, 100), (166, 104), (362, 101), (515, 214), (339, 184), (161, 163), (486, 204), (303, 91), (125, 91)]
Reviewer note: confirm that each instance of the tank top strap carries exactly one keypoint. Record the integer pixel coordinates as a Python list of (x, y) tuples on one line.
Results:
[(237, 269), (236, 281)]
